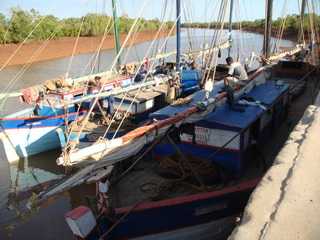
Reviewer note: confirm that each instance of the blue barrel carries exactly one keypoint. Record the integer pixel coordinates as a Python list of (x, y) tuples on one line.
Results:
[(190, 80)]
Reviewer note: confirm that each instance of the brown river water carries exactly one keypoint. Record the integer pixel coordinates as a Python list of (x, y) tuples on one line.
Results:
[(48, 221)]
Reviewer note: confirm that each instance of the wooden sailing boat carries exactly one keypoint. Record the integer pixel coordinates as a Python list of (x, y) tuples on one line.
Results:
[(57, 108), (101, 148), (177, 199)]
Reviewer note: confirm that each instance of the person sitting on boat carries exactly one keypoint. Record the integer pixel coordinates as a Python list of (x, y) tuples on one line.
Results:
[(143, 71), (102, 190), (237, 75)]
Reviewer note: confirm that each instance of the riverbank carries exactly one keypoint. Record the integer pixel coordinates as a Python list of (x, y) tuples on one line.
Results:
[(287, 35), (63, 47)]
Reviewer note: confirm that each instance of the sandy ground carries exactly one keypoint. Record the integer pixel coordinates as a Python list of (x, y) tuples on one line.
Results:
[(41, 51)]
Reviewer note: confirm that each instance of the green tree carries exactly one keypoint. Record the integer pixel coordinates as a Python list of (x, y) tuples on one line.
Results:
[(20, 25), (70, 27), (48, 27), (3, 28)]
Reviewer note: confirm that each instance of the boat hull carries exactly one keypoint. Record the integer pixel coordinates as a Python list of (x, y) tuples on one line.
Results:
[(24, 137), (167, 218), (219, 229)]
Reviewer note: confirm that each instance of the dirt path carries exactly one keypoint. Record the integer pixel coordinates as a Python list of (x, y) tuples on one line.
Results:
[(63, 47)]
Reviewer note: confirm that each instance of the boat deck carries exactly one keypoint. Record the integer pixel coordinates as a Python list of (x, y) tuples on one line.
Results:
[(144, 94), (154, 180), (147, 183)]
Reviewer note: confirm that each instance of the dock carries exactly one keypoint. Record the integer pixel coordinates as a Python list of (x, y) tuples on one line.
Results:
[(286, 203)]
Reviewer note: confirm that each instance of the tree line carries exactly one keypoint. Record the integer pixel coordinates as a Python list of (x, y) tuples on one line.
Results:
[(292, 24), (30, 24)]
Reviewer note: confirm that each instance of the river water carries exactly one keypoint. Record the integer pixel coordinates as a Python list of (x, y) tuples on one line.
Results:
[(48, 222)]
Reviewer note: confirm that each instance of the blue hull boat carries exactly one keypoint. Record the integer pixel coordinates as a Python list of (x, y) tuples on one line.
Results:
[(147, 205), (42, 128)]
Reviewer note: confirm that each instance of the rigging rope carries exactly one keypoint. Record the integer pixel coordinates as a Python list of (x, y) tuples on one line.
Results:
[(17, 49), (7, 31), (27, 65), (112, 68), (215, 39), (94, 60), (133, 32), (207, 29), (154, 40), (187, 17), (119, 126), (281, 28), (74, 48), (119, 106)]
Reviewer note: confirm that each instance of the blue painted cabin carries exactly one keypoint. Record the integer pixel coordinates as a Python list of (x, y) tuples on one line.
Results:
[(225, 136)]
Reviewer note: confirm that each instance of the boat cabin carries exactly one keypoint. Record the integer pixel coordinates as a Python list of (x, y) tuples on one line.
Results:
[(226, 135)]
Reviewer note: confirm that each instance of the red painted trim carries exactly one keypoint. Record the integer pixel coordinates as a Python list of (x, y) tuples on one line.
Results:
[(42, 117), (246, 185)]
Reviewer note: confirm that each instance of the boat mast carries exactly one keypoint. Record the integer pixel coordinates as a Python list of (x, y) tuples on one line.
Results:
[(230, 26), (303, 8), (267, 28), (103, 13), (116, 31), (178, 28)]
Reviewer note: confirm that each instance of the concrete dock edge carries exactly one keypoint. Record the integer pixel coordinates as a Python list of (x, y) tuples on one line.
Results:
[(286, 203)]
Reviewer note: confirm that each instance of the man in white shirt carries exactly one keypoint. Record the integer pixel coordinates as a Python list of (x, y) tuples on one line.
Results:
[(237, 75), (102, 194)]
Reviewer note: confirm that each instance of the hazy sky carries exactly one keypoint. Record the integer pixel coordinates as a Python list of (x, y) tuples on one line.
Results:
[(197, 10)]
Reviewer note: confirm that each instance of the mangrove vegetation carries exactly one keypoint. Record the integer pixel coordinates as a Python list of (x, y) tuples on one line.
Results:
[(35, 27)]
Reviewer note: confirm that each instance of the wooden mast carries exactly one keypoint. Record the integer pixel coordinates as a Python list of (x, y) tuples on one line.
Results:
[(178, 38), (116, 31), (230, 26), (267, 29), (303, 9)]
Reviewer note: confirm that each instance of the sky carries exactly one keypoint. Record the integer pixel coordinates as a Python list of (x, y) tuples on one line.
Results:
[(197, 10)]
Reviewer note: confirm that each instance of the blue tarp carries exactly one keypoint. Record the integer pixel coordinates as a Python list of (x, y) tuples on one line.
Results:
[(225, 117), (267, 93), (198, 96)]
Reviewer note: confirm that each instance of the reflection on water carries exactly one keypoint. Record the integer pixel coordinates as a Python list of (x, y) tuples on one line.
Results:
[(18, 181), (26, 174)]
